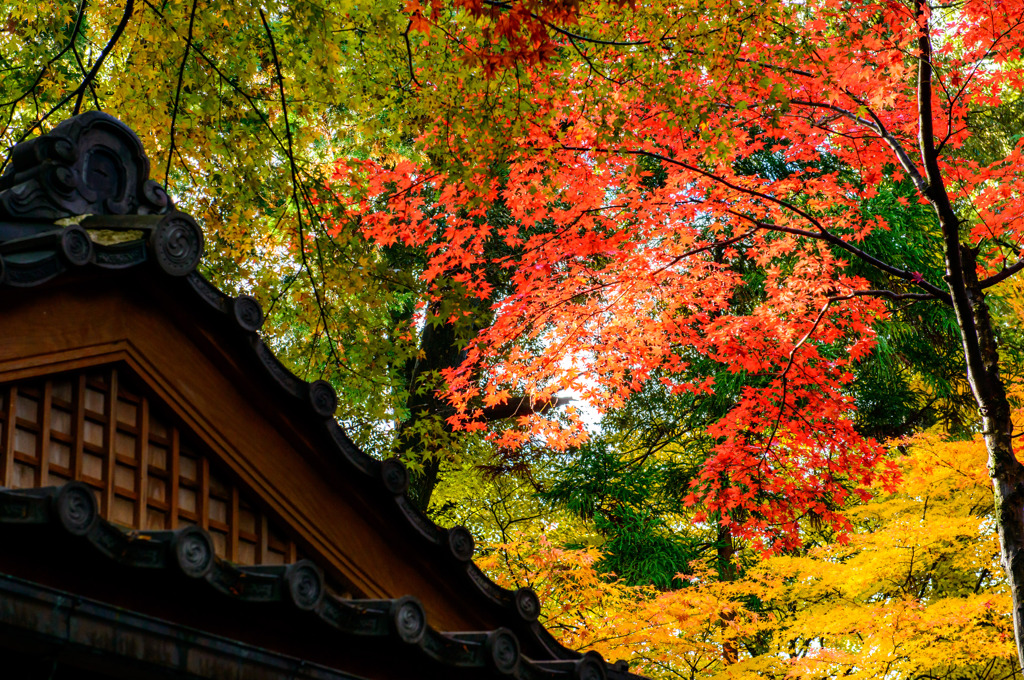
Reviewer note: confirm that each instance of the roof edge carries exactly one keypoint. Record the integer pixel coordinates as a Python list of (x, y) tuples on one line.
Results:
[(299, 588)]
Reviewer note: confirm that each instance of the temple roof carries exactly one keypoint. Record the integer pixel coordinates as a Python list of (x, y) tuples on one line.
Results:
[(78, 202)]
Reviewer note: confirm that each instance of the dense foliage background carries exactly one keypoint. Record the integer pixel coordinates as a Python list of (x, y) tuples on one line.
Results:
[(643, 294)]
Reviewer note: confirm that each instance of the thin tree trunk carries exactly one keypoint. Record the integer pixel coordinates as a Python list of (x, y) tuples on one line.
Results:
[(424, 436)]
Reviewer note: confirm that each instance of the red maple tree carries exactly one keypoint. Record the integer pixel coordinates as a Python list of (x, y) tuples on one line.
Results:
[(625, 166)]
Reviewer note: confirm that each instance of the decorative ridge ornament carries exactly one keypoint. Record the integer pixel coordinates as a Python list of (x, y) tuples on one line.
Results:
[(91, 163), (85, 187)]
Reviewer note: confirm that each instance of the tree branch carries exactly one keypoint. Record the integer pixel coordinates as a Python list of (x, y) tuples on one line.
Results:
[(245, 95), (42, 72), (568, 34), (332, 345), (948, 221), (821, 233), (81, 69), (933, 292), (522, 406), (876, 126), (177, 94), (710, 175), (408, 54), (888, 294), (784, 385), (1001, 276)]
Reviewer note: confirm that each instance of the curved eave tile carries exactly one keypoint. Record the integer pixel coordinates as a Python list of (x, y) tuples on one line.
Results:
[(300, 587)]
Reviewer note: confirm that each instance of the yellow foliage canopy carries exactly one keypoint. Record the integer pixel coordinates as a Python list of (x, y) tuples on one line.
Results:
[(916, 592)]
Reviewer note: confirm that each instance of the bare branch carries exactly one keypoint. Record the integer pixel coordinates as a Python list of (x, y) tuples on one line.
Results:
[(408, 54), (568, 34), (177, 94), (876, 126), (523, 406), (82, 70), (888, 294), (821, 234), (42, 72), (224, 77), (1002, 276), (710, 175), (332, 345), (784, 385)]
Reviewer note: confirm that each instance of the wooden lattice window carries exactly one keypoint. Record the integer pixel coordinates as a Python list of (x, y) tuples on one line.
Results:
[(100, 428)]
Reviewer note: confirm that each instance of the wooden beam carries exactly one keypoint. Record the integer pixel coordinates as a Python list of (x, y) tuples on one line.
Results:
[(10, 423)]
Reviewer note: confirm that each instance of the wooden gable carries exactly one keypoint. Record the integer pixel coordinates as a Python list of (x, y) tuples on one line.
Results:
[(100, 426), (142, 415), (122, 345)]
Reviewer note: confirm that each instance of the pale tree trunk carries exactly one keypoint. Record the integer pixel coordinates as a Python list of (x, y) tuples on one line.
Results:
[(1008, 487)]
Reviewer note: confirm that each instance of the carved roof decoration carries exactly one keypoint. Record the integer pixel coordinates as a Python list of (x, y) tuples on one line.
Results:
[(81, 194), (80, 198), (89, 164)]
